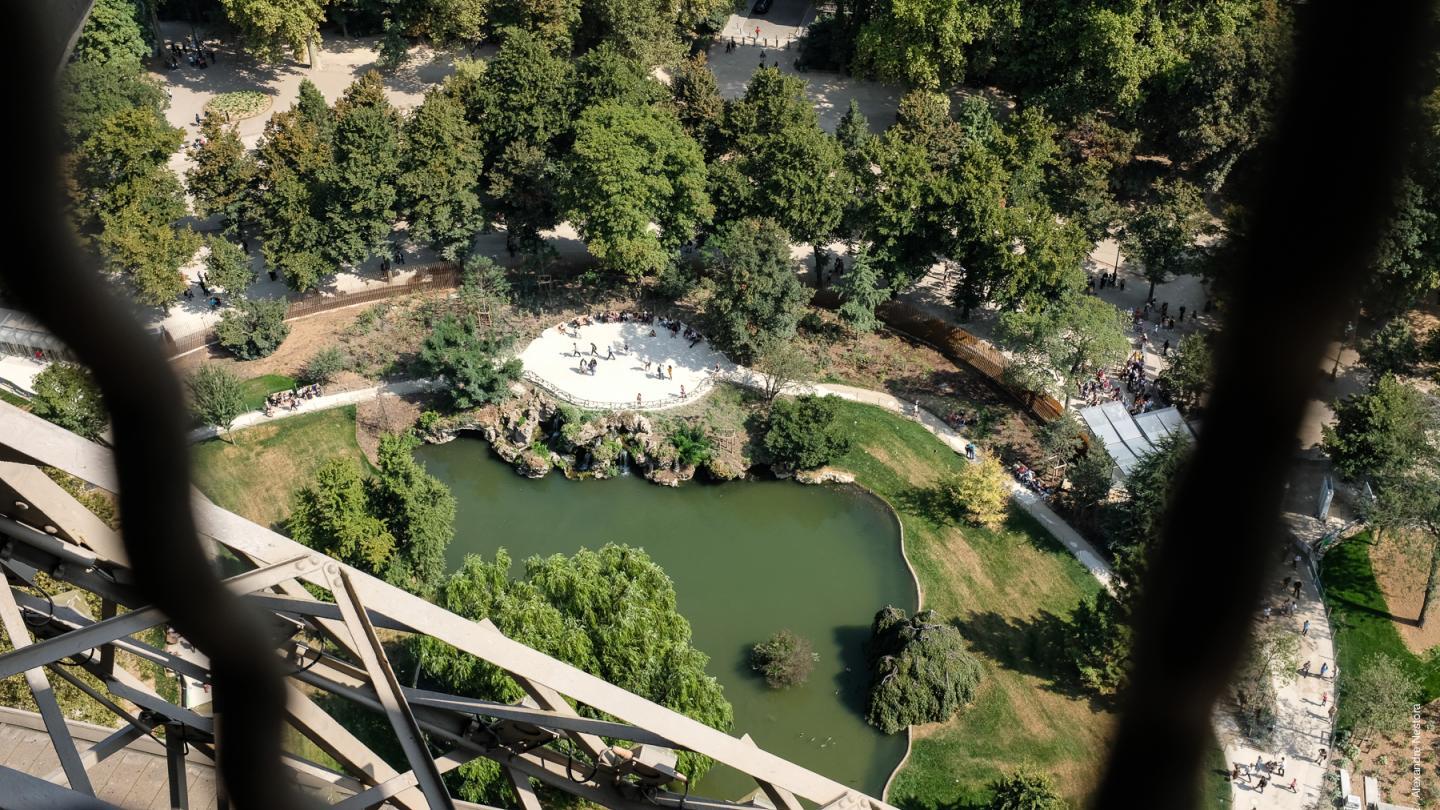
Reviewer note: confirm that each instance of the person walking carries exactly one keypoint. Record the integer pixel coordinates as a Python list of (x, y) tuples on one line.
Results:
[(1324, 696), (611, 354), (1324, 668), (1305, 628), (637, 400), (594, 352), (682, 392), (1321, 758), (1297, 585), (670, 372), (1331, 714), (1280, 769), (1294, 789), (1260, 787), (1305, 669)]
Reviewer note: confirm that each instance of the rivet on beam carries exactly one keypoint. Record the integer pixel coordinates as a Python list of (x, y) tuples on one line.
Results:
[(21, 505)]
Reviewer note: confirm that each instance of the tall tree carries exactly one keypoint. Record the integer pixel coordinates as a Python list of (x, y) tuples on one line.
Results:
[(66, 394), (1383, 431), (1162, 233), (223, 175), (636, 187), (113, 35), (417, 509), (756, 298), (332, 515), (92, 92), (799, 179), (605, 74), (295, 158), (268, 27), (698, 102), (440, 175), (611, 612), (920, 42), (216, 396), (362, 195), (227, 267), (1066, 340), (861, 290)]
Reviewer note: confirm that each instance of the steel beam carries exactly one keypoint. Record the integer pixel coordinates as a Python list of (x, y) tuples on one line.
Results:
[(25, 792), (175, 766), (778, 796), (567, 721), (403, 782), (523, 789), (337, 741), (45, 698), (107, 630), (68, 620), (97, 752), (382, 677)]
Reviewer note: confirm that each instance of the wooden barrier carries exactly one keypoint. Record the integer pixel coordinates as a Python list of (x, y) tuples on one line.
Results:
[(440, 276), (957, 345)]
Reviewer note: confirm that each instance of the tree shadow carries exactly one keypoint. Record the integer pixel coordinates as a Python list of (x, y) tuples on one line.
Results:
[(929, 503), (1033, 647), (852, 681)]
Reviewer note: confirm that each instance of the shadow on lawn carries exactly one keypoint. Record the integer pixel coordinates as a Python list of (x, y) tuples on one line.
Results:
[(1035, 647)]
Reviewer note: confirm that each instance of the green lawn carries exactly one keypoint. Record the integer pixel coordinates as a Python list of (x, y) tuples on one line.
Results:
[(1361, 620), (258, 388), (254, 472), (1010, 592)]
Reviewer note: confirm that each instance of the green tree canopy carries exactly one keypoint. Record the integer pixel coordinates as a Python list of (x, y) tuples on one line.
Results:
[(785, 659), (332, 515), (223, 175), (66, 394), (473, 365), (296, 158), (1380, 695), (610, 612), (1067, 339), (805, 432), (440, 175), (1186, 381), (756, 298), (1163, 231), (113, 35), (1024, 789), (227, 267), (268, 27), (862, 289), (1391, 349), (361, 193), (920, 668), (636, 187), (216, 396), (417, 509), (253, 328), (1382, 431)]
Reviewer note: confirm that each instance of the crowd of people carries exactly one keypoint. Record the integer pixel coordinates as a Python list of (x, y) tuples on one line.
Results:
[(590, 362), (192, 51), (292, 399)]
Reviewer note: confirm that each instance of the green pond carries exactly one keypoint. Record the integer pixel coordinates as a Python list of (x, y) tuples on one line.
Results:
[(747, 558)]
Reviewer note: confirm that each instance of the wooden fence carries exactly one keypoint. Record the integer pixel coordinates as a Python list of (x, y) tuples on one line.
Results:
[(959, 346), (439, 276)]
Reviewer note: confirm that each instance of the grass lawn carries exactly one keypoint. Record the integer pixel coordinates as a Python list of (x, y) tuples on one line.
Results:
[(1361, 620), (15, 399), (1009, 592), (258, 388), (254, 471)]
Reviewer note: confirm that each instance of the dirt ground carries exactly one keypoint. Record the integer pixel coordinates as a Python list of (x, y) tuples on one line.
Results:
[(385, 414), (307, 336), (1401, 570), (1388, 759)]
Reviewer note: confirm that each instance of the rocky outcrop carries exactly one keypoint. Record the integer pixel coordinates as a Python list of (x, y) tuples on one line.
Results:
[(824, 475), (536, 435)]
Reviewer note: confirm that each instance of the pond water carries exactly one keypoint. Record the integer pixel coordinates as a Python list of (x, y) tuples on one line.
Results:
[(747, 559)]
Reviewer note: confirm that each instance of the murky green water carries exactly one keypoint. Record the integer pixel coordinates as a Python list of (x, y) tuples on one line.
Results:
[(747, 559)]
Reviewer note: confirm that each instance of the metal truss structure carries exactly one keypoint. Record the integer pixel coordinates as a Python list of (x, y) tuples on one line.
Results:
[(624, 761)]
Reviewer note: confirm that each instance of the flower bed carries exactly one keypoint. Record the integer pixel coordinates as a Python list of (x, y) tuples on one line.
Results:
[(239, 105)]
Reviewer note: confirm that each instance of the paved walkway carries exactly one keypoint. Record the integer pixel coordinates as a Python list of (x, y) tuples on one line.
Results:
[(1303, 723), (321, 403)]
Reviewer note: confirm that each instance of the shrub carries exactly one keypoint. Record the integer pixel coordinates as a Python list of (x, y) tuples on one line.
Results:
[(920, 669), (1097, 642), (785, 659), (1391, 349), (1186, 381), (216, 396), (470, 362), (1024, 789), (692, 446), (805, 433), (980, 492), (252, 329), (67, 395), (239, 104), (325, 365)]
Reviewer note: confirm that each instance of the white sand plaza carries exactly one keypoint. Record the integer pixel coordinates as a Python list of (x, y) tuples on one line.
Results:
[(624, 381)]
